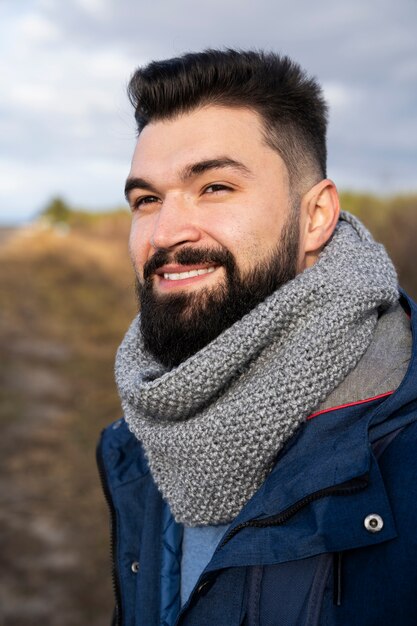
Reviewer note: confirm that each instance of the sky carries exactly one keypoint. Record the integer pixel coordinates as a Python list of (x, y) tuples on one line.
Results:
[(67, 129)]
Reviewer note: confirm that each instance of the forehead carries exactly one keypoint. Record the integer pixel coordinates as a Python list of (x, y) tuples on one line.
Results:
[(166, 146)]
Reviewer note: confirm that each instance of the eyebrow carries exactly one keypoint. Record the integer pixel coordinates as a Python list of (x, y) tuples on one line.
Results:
[(189, 171), (133, 182), (196, 169)]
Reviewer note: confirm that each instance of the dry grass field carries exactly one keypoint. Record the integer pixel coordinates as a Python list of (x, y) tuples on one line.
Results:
[(66, 299)]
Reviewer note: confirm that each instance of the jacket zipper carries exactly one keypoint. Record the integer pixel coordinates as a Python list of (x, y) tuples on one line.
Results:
[(117, 616), (343, 489)]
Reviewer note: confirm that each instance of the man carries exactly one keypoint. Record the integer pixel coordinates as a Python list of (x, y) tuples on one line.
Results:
[(264, 470)]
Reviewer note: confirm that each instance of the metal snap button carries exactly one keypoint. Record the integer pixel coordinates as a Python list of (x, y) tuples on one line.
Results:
[(204, 587), (373, 523), (135, 567)]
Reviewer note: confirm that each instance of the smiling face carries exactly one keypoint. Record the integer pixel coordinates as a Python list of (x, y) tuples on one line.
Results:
[(211, 213), (206, 179)]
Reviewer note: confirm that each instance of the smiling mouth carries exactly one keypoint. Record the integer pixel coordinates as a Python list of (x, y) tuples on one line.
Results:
[(189, 274)]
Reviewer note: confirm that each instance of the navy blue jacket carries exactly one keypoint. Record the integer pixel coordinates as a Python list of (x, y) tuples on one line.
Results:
[(329, 539)]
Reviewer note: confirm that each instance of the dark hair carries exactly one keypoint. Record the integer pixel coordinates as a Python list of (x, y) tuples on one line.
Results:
[(289, 102)]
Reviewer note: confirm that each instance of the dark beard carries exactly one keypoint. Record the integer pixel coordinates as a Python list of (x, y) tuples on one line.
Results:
[(174, 327)]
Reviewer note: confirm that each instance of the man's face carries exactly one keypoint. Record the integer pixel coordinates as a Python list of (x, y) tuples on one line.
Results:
[(213, 231)]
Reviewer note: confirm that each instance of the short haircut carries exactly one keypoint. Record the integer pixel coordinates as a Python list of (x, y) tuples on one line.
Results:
[(289, 102)]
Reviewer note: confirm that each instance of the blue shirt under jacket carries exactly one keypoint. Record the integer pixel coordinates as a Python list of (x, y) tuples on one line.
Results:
[(328, 540)]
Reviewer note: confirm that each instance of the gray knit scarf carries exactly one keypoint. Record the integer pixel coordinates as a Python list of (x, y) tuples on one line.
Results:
[(212, 426)]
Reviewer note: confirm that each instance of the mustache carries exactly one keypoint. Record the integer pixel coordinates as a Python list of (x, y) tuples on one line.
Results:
[(187, 256)]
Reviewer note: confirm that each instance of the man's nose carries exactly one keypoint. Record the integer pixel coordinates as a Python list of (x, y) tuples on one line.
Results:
[(175, 223)]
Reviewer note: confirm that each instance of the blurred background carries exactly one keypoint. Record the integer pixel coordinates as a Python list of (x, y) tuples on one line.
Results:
[(66, 287)]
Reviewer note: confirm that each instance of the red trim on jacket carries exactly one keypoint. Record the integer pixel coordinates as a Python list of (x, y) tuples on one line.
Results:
[(343, 406)]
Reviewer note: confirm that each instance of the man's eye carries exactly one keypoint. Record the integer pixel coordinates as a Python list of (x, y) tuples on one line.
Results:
[(216, 187), (139, 202)]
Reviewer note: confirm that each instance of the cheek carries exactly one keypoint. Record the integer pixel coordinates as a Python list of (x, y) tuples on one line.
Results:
[(240, 237), (139, 247), (249, 234)]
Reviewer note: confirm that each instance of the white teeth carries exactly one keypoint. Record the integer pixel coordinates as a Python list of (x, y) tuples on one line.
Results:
[(189, 274)]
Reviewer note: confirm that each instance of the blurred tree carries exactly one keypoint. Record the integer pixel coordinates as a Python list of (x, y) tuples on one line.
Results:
[(57, 211)]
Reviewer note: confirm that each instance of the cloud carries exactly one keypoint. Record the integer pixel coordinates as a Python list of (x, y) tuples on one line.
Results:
[(94, 8), (64, 101), (37, 30)]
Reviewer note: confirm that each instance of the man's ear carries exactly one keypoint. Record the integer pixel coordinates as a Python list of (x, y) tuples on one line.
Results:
[(320, 211)]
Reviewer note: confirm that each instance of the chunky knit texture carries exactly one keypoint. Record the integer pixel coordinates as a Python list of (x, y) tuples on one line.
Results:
[(212, 426)]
